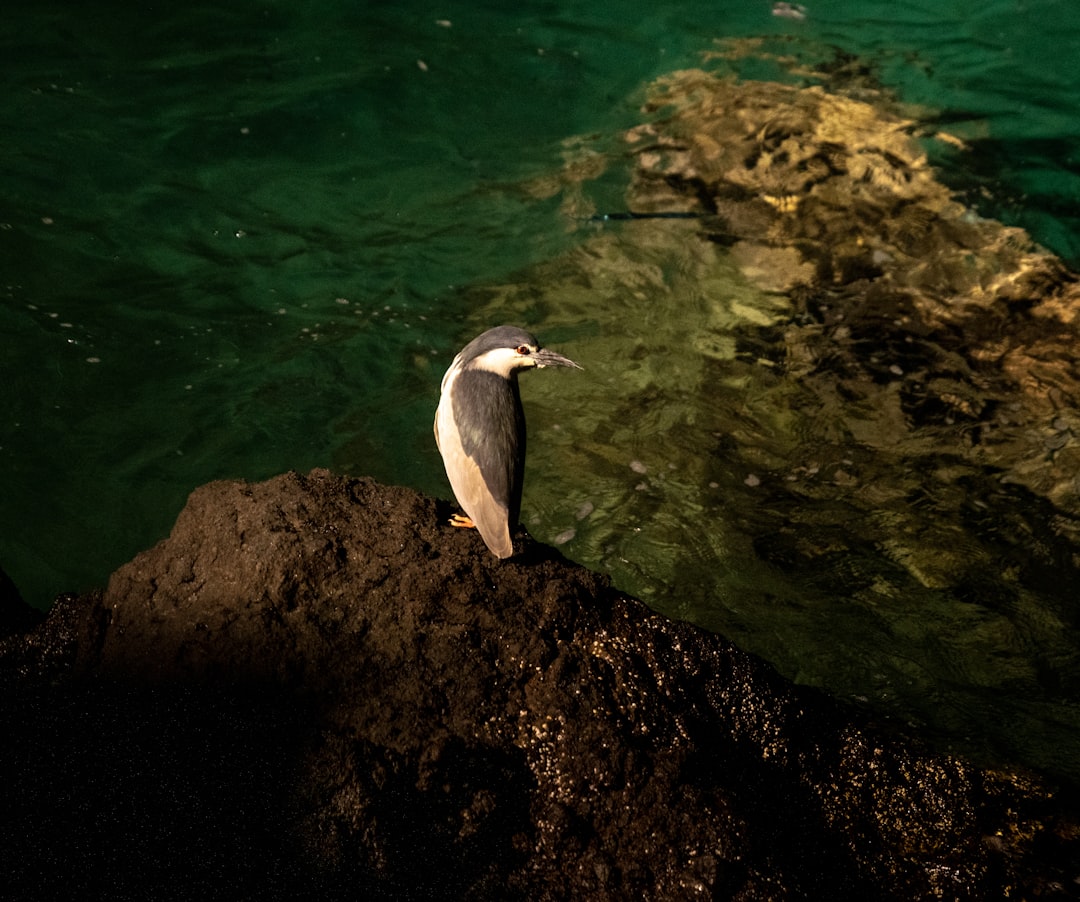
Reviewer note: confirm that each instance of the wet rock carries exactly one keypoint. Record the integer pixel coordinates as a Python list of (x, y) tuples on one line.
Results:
[(314, 686)]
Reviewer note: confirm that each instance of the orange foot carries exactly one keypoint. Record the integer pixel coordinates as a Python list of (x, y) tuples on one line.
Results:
[(462, 522)]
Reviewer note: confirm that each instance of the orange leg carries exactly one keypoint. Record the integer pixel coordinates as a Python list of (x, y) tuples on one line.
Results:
[(462, 522)]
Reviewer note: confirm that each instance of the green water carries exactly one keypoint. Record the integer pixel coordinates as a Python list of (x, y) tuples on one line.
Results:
[(245, 239)]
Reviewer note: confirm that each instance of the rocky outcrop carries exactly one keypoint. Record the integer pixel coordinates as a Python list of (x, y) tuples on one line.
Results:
[(314, 686)]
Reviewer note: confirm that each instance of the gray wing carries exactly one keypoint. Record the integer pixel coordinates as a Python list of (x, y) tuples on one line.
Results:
[(483, 448)]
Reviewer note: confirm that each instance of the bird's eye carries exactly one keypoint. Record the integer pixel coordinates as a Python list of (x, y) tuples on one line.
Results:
[(523, 350)]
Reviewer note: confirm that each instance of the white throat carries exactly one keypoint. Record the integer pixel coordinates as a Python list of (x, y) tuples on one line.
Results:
[(502, 361)]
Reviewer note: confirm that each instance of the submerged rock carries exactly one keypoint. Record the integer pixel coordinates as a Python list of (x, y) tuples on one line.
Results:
[(314, 686), (854, 401)]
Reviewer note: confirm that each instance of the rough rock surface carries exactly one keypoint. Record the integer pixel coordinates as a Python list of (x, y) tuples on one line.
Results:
[(313, 686)]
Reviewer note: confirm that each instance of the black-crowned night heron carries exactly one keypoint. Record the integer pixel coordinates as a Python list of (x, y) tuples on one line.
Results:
[(480, 430)]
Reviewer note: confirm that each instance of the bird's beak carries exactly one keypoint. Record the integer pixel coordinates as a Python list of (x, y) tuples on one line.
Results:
[(544, 357)]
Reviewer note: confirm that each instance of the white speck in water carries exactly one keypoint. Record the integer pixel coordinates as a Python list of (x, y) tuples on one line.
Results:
[(93, 360), (638, 467), (421, 65), (341, 301), (896, 370), (714, 485), (565, 536), (584, 511), (794, 11), (444, 23), (752, 481)]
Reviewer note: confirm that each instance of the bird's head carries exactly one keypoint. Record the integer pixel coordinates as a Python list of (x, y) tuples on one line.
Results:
[(506, 349)]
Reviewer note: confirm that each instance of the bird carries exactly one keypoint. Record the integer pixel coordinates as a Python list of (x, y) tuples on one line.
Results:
[(480, 430)]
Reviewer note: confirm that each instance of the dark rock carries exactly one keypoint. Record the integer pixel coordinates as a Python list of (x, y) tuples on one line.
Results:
[(16, 616), (314, 687)]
